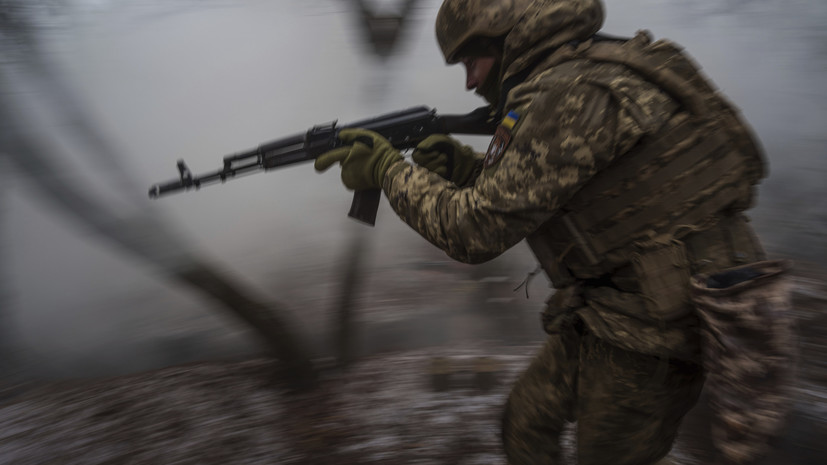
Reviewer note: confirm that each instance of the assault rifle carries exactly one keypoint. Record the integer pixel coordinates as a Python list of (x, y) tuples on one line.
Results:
[(404, 129)]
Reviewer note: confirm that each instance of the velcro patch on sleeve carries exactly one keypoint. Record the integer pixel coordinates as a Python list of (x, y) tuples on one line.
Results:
[(502, 137)]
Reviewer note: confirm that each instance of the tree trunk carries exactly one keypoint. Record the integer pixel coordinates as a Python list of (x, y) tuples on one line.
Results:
[(345, 336), (144, 235)]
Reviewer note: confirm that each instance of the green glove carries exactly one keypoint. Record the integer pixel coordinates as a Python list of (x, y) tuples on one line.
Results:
[(448, 158), (365, 158)]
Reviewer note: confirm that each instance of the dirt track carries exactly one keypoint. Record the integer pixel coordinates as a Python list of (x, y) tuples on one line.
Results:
[(384, 410)]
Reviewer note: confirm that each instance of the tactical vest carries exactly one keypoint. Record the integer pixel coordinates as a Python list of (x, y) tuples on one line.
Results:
[(702, 163)]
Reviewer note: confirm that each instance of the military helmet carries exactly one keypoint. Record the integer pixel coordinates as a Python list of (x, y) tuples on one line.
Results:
[(460, 20)]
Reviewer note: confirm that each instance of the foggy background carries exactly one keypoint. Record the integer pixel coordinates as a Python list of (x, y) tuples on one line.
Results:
[(104, 96)]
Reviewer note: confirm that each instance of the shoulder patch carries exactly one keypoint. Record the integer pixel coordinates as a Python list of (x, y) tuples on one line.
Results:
[(502, 137)]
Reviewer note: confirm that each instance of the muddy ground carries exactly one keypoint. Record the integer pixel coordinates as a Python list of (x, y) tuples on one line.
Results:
[(387, 408)]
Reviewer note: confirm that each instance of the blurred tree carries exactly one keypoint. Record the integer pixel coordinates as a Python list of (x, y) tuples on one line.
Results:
[(10, 375), (143, 235), (351, 278), (382, 31)]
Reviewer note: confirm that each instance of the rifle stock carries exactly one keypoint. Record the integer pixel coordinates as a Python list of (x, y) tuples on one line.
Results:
[(403, 129)]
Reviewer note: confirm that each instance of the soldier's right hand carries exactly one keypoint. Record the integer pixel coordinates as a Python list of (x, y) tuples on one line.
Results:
[(448, 158)]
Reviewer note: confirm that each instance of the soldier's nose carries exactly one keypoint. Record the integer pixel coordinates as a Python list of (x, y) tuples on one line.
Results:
[(470, 82)]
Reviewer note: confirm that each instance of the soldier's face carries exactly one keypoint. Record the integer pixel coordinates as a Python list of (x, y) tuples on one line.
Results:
[(476, 70)]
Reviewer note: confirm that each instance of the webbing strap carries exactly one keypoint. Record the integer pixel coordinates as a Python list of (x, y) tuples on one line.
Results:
[(676, 86), (718, 202), (544, 251), (688, 171), (622, 232), (644, 188), (652, 148)]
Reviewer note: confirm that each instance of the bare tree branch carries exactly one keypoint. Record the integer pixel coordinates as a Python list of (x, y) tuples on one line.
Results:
[(143, 235)]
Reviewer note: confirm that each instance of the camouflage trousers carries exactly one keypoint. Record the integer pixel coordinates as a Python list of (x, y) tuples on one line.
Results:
[(627, 405)]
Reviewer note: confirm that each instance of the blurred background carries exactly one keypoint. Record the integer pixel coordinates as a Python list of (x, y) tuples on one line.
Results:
[(99, 98)]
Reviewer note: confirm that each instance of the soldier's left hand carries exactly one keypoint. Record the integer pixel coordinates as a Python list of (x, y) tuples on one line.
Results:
[(365, 158), (447, 157)]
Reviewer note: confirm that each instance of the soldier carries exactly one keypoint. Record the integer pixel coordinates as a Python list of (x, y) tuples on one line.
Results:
[(625, 171)]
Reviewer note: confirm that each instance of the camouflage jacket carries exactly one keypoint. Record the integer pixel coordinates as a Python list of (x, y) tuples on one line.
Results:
[(569, 118), (567, 129)]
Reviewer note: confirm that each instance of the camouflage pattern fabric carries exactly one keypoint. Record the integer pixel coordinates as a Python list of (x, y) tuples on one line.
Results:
[(547, 25), (559, 143), (575, 117), (459, 20), (630, 370), (627, 405), (568, 129), (749, 353)]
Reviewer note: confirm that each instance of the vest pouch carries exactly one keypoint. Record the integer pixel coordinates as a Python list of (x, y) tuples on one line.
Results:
[(662, 274), (748, 353), (560, 309)]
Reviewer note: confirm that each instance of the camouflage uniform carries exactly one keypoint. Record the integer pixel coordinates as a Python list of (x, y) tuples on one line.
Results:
[(627, 173)]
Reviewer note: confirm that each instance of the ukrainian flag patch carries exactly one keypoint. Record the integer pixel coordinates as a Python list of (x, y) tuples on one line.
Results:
[(510, 120), (502, 137)]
